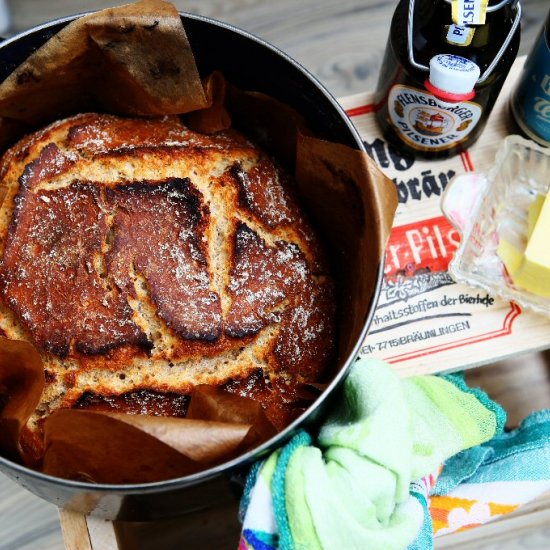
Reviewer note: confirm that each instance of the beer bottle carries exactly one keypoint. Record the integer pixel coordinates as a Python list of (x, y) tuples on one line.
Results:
[(531, 101), (440, 79)]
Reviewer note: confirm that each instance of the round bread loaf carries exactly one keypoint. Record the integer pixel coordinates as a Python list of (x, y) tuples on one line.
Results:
[(143, 259)]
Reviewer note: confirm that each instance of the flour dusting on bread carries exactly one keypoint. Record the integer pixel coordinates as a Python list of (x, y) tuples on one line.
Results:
[(144, 259)]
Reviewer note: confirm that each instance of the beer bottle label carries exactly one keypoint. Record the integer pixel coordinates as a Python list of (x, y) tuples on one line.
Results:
[(428, 124), (469, 12), (459, 36)]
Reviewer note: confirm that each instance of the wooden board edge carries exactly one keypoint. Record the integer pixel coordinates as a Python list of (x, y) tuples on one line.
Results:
[(75, 531), (102, 534), (82, 532)]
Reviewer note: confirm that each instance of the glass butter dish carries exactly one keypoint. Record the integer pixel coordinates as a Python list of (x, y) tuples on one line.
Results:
[(497, 207)]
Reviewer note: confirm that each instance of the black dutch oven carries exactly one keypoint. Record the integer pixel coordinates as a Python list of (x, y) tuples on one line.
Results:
[(251, 64)]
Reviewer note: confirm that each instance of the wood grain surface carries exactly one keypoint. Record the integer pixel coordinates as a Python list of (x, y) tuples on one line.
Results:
[(75, 531), (342, 43)]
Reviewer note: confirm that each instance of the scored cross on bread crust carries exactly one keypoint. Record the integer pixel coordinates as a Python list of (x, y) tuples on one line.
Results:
[(144, 259)]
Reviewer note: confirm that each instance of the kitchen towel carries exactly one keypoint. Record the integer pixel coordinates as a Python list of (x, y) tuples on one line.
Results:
[(351, 485), (493, 479)]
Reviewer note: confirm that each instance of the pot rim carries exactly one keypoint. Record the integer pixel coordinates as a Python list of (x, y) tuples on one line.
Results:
[(256, 452)]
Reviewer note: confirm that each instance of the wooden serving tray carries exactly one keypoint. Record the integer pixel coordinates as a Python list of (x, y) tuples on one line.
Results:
[(426, 323), (429, 340)]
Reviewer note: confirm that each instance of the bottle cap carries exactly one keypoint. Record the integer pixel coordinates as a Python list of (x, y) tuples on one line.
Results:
[(452, 77)]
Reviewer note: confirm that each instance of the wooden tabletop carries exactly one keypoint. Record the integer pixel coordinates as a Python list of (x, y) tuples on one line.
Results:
[(342, 43)]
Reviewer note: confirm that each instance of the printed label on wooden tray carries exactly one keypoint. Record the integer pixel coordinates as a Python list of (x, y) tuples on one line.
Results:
[(425, 322), (421, 310)]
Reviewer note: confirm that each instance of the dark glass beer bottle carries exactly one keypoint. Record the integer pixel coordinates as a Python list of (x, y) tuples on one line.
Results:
[(531, 100), (439, 81)]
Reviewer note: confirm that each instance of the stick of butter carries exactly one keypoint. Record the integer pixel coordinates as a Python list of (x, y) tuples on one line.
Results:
[(530, 269), (533, 214)]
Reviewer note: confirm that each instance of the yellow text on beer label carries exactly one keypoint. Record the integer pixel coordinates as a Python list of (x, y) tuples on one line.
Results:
[(469, 12), (428, 124), (459, 36)]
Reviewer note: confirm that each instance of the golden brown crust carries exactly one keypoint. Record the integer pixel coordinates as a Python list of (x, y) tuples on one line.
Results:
[(144, 259), (159, 232), (137, 402), (263, 281), (47, 275)]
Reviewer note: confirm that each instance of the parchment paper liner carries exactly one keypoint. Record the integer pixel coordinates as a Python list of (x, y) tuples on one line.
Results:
[(136, 60)]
